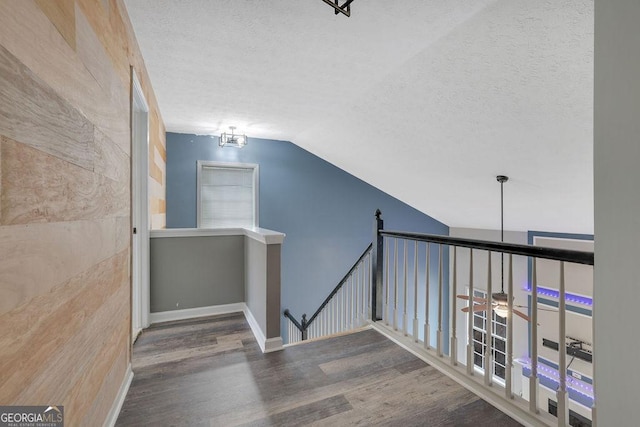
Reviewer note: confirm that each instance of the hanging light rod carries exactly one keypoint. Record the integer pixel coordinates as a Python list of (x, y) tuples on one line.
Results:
[(345, 9)]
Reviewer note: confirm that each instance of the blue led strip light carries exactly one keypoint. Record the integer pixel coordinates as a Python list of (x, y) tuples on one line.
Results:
[(578, 391), (568, 296)]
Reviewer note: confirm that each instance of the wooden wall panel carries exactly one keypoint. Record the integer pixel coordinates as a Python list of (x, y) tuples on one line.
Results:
[(100, 407), (95, 58), (65, 200), (27, 33), (37, 257), (111, 32), (39, 188), (109, 159), (65, 325), (60, 129), (62, 14)]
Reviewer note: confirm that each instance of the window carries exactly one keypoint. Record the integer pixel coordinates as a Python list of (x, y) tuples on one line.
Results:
[(498, 336), (227, 195)]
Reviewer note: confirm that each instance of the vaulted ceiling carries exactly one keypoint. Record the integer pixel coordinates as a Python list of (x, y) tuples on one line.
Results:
[(427, 100)]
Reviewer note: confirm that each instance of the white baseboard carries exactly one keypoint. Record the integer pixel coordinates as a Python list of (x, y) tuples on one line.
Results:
[(266, 345), (122, 394), (255, 328), (191, 313)]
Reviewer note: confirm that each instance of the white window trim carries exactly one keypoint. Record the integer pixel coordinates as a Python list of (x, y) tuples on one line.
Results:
[(256, 186), (493, 335)]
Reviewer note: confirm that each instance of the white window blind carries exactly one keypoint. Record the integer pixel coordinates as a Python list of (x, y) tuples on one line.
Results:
[(227, 196)]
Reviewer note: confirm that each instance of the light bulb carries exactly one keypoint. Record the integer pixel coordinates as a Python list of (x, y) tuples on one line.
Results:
[(501, 310)]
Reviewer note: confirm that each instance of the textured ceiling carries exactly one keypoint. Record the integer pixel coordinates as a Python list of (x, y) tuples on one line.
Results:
[(426, 100)]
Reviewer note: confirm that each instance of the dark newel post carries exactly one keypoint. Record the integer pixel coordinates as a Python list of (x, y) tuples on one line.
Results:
[(376, 268), (304, 327)]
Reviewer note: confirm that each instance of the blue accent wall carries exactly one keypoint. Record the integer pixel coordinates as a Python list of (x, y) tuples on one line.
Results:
[(326, 213)]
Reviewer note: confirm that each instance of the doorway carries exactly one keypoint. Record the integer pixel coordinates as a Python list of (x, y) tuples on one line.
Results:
[(140, 294)]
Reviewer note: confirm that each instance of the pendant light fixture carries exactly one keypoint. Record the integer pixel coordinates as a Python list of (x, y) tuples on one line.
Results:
[(232, 140), (345, 9), (501, 299)]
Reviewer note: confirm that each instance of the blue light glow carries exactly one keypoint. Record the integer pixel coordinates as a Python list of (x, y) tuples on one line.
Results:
[(579, 299), (552, 374)]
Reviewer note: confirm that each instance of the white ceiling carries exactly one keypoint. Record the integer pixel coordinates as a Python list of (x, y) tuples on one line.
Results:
[(427, 100)]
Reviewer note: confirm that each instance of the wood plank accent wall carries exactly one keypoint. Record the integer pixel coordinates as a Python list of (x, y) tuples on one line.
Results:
[(65, 202)]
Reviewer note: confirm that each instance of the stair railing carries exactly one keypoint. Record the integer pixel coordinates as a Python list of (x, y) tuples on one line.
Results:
[(400, 283), (415, 266), (347, 307)]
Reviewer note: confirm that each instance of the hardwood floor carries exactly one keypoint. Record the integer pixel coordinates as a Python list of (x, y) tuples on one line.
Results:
[(210, 372)]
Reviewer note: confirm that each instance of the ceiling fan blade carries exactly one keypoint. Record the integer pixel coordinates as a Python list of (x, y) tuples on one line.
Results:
[(476, 299), (540, 309), (477, 307), (521, 314)]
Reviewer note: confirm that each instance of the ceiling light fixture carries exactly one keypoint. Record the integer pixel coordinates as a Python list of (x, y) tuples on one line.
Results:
[(345, 9), (232, 140), (501, 307)]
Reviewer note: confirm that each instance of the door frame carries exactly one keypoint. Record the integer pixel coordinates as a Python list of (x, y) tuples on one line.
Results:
[(140, 288)]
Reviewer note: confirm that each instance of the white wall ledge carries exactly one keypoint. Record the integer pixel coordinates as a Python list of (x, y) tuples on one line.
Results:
[(262, 235)]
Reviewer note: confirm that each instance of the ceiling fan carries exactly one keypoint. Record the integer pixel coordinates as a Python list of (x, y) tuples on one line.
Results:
[(499, 300)]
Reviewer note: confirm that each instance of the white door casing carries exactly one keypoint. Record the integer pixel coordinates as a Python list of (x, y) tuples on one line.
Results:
[(140, 294)]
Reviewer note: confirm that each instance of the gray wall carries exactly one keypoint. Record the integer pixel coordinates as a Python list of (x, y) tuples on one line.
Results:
[(326, 213), (617, 210), (190, 272)]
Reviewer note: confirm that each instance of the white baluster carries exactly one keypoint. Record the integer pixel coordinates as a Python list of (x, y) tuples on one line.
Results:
[(534, 381), (388, 294), (427, 329), (470, 361), (453, 349), (369, 283), (395, 285), (488, 353), (416, 336), (364, 289), (440, 292), (405, 295), (509, 368), (354, 300), (563, 402), (335, 313)]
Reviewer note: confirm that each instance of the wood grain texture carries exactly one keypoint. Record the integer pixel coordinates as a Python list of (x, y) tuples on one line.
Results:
[(155, 172), (28, 34), (62, 14), (36, 257), (108, 387), (111, 32), (32, 113), (357, 379), (94, 57), (69, 315), (42, 188), (110, 160)]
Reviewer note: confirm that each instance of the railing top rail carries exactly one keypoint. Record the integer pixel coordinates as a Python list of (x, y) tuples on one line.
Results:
[(578, 257), (287, 314)]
